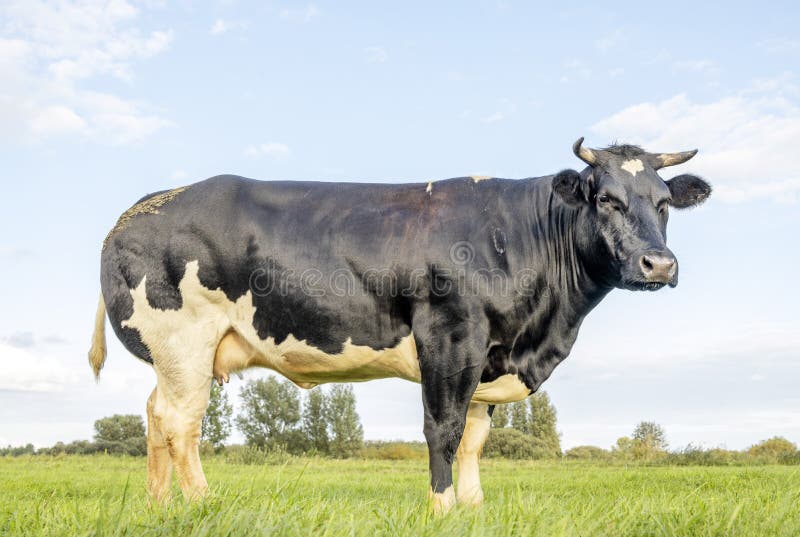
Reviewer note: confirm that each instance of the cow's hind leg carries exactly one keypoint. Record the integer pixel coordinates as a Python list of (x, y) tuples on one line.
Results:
[(469, 451), (184, 384), (159, 465)]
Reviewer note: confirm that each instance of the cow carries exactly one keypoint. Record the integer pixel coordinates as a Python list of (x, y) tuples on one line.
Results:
[(473, 287)]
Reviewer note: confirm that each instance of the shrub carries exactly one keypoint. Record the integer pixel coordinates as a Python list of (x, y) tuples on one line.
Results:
[(77, 447), (693, 455), (27, 449), (135, 447), (509, 443), (588, 453), (255, 456), (394, 451)]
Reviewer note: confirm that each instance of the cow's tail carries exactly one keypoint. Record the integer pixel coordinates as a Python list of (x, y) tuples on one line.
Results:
[(97, 354)]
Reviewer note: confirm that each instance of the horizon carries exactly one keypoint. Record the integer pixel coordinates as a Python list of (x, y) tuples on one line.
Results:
[(105, 102)]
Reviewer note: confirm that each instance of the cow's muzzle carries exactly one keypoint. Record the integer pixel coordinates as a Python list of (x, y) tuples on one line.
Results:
[(651, 270)]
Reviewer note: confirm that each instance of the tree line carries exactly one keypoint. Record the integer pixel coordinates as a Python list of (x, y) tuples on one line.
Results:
[(277, 421), (273, 418)]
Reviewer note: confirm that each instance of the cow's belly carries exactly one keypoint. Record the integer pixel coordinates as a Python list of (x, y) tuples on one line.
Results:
[(307, 366), (227, 326)]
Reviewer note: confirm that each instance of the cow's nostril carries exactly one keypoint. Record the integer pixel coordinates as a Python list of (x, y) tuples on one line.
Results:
[(658, 266)]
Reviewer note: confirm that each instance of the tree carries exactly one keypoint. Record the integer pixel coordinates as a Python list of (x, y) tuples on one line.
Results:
[(648, 442), (651, 435), (500, 417), (519, 417), (118, 428), (270, 412), (347, 435), (121, 434), (217, 420), (543, 424), (315, 420), (773, 449), (623, 448)]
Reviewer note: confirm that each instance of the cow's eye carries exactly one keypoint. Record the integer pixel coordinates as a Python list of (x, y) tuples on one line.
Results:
[(607, 201), (663, 207)]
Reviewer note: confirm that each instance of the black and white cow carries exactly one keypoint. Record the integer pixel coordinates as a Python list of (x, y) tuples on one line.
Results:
[(474, 287)]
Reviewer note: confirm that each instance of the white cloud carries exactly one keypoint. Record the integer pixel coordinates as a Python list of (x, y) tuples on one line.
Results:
[(701, 66), (376, 55), (575, 70), (56, 119), (28, 370), (178, 175), (274, 150), (493, 118), (610, 40), (505, 109), (305, 14), (747, 140), (51, 53), (222, 26)]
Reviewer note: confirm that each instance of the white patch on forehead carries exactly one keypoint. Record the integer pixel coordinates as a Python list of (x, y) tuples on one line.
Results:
[(633, 166), (504, 389), (212, 321)]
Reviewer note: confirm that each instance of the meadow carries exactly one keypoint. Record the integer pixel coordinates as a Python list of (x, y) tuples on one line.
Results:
[(104, 495)]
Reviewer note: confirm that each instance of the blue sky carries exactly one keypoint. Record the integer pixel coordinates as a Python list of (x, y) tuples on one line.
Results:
[(102, 102)]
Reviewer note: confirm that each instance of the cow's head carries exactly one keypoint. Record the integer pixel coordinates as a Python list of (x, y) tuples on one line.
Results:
[(626, 205)]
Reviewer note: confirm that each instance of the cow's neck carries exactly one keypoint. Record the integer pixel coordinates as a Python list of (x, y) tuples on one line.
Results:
[(565, 289)]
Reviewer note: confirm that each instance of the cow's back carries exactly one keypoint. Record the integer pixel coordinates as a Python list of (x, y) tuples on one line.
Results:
[(300, 249)]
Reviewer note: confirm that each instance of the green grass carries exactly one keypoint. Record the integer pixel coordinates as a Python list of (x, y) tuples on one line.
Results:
[(104, 495)]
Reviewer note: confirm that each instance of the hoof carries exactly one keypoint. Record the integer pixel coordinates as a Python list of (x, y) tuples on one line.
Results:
[(473, 498), (442, 502)]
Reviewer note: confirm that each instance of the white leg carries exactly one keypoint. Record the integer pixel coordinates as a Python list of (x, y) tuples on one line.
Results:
[(475, 433), (159, 465), (179, 409), (184, 370)]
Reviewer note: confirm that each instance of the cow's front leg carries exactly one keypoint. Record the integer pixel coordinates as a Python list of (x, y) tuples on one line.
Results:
[(469, 451), (452, 340), (446, 399)]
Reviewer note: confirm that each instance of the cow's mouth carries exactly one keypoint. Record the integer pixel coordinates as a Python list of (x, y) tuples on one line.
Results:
[(641, 285)]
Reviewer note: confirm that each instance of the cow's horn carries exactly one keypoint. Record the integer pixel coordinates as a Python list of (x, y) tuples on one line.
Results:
[(672, 159), (584, 153)]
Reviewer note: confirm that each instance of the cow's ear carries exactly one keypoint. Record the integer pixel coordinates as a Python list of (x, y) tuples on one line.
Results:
[(567, 184), (688, 191)]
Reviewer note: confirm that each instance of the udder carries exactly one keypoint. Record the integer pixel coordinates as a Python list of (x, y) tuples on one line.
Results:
[(233, 354)]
